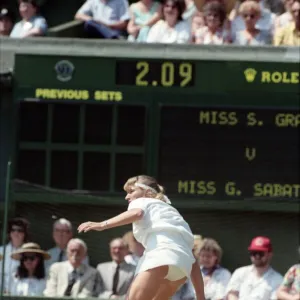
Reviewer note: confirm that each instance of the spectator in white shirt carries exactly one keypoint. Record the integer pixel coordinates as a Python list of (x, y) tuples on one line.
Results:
[(265, 22), (30, 279), (258, 281), (215, 277), (172, 29), (105, 19), (31, 24)]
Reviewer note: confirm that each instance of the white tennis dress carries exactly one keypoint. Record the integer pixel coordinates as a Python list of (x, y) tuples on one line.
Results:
[(164, 233)]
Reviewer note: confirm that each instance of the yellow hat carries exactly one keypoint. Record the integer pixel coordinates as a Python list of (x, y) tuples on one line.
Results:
[(30, 248)]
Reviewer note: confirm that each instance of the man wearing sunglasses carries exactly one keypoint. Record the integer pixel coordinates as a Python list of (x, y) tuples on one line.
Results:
[(259, 281)]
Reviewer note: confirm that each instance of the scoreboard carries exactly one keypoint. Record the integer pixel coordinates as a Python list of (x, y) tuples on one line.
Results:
[(208, 129)]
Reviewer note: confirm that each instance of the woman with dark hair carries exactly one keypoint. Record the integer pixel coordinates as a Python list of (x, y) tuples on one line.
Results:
[(214, 32), (17, 233), (30, 277), (172, 29), (31, 24)]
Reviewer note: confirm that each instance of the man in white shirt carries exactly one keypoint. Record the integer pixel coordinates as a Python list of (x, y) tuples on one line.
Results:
[(104, 18), (257, 281), (62, 234)]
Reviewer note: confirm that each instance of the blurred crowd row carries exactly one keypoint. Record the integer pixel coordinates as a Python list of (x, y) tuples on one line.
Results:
[(244, 22), (64, 270)]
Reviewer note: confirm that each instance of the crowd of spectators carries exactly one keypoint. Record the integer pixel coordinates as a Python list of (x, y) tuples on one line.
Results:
[(64, 270), (217, 22)]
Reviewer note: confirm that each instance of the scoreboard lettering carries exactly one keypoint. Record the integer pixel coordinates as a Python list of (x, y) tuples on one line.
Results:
[(230, 153)]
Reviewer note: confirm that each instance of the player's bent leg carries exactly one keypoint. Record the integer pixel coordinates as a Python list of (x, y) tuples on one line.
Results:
[(146, 284)]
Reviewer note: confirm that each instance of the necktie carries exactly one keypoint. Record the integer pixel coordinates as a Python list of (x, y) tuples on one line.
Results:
[(61, 255), (72, 281), (116, 280)]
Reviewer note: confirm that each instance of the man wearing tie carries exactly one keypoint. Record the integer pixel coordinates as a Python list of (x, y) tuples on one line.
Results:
[(72, 277), (116, 275), (62, 233)]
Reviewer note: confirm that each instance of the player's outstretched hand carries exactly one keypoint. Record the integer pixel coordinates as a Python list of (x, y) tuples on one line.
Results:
[(88, 226)]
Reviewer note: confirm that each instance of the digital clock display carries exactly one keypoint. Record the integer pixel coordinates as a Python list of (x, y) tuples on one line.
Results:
[(155, 73)]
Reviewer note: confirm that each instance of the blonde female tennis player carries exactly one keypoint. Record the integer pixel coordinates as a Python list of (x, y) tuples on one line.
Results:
[(168, 259)]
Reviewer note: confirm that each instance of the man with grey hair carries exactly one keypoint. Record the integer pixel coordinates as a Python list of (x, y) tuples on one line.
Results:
[(72, 277), (116, 275), (62, 234)]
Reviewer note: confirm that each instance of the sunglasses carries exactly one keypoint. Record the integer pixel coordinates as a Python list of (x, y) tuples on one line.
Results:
[(29, 257), (21, 230), (251, 16), (257, 253)]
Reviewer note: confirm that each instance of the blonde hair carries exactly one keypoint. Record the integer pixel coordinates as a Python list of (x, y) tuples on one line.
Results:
[(250, 6), (212, 246), (148, 181)]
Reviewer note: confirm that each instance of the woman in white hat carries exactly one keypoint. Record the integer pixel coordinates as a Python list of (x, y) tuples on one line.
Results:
[(30, 276)]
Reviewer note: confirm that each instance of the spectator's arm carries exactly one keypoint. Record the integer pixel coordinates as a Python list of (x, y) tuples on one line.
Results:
[(156, 17), (39, 28), (85, 12), (282, 294), (197, 281), (120, 25), (132, 28)]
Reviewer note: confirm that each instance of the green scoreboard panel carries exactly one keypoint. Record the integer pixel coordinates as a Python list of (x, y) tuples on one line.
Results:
[(206, 129)]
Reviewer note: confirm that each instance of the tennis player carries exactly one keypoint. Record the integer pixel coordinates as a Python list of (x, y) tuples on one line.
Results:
[(168, 259)]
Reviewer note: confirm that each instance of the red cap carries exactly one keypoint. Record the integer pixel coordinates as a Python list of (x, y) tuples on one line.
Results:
[(260, 243)]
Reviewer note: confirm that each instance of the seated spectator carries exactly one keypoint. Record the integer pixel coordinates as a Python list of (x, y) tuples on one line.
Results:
[(17, 235), (259, 280), (172, 29), (116, 275), (290, 287), (72, 278), (251, 35), (143, 14), (135, 248), (105, 19), (31, 24), (197, 23), (290, 34), (62, 234), (215, 277), (30, 279), (265, 22), (285, 18), (214, 32), (6, 22)]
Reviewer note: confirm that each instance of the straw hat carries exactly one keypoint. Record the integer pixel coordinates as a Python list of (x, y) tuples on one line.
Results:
[(30, 248)]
